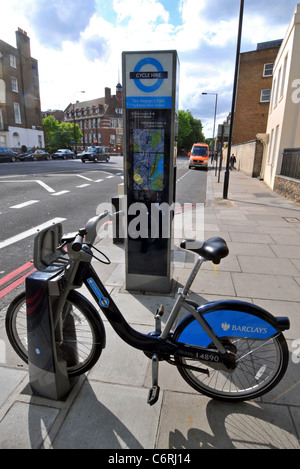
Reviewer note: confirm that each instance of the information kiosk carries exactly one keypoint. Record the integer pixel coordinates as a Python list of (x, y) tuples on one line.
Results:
[(150, 90)]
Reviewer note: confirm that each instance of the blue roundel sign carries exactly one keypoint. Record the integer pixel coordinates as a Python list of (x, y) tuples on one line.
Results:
[(139, 75)]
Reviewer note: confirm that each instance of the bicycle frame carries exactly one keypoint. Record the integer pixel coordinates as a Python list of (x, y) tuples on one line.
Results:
[(203, 335), (155, 343)]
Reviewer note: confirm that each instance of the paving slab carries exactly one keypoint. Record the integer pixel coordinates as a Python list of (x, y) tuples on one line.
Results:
[(109, 416), (275, 287), (26, 426)]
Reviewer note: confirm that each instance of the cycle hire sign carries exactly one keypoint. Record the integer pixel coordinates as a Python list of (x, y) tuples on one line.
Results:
[(148, 78)]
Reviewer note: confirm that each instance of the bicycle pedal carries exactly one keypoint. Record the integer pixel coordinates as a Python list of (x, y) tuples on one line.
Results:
[(153, 395)]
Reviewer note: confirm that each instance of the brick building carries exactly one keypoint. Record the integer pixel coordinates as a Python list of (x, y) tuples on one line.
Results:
[(100, 120), (254, 91), (56, 113), (20, 107)]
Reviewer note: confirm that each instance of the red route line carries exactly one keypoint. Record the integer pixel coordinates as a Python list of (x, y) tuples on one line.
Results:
[(15, 273), (17, 282)]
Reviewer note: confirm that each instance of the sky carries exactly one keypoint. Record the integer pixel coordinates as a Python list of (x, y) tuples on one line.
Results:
[(78, 44)]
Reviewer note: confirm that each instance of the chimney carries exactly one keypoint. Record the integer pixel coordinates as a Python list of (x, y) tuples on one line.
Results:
[(119, 91), (107, 95), (23, 43)]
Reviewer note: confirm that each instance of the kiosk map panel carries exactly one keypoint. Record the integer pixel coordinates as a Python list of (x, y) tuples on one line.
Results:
[(148, 159)]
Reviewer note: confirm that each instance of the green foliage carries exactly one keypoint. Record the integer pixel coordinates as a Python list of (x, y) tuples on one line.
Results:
[(60, 134), (190, 131)]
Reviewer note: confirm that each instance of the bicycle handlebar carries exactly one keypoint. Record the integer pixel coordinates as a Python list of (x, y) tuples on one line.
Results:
[(77, 243), (91, 227), (90, 231)]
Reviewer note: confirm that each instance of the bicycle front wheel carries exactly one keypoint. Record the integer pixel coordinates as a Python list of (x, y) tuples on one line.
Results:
[(260, 364), (83, 332)]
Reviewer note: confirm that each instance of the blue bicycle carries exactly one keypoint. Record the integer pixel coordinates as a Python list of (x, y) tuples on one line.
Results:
[(227, 350)]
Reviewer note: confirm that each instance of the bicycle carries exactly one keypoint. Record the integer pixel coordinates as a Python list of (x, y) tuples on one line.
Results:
[(227, 350)]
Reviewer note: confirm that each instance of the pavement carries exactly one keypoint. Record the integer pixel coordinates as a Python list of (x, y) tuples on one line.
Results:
[(107, 408)]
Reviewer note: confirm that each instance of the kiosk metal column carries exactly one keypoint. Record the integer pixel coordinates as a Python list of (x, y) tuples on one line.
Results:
[(150, 90)]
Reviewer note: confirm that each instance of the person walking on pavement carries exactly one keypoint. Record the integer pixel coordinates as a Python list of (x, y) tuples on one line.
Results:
[(232, 161)]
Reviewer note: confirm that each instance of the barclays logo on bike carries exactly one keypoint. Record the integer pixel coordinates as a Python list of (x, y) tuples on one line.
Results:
[(244, 329), (103, 301)]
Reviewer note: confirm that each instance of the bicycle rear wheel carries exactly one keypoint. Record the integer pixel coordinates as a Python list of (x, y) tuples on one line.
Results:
[(83, 332), (261, 363)]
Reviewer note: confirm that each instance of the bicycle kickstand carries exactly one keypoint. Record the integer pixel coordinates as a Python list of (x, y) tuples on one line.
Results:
[(154, 391)]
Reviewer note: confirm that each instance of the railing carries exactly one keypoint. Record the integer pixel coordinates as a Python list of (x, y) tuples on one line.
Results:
[(291, 163)]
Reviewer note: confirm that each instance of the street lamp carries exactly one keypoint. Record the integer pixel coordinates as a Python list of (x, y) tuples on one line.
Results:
[(235, 84), (216, 105), (74, 116)]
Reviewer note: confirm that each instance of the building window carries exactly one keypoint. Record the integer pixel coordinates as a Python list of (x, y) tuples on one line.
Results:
[(14, 84), (268, 70), (284, 76), (1, 120), (13, 61), (272, 105), (265, 96), (270, 146), (34, 71), (2, 141), (17, 113), (278, 87)]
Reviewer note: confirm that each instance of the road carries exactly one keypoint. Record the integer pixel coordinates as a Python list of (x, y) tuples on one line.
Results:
[(34, 193)]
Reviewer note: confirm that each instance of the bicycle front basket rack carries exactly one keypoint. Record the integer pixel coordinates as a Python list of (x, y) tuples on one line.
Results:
[(46, 256)]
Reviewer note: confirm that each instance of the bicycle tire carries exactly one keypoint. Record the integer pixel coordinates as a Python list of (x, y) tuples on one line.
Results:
[(84, 349), (261, 365)]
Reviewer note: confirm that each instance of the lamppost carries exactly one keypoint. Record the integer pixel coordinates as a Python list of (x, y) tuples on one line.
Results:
[(237, 64), (74, 117), (216, 105)]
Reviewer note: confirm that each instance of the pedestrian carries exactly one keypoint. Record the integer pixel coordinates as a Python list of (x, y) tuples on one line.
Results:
[(232, 161)]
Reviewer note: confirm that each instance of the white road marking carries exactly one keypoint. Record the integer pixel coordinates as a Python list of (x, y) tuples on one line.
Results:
[(61, 193), (25, 204), (41, 183), (30, 232), (83, 185), (45, 186), (84, 177)]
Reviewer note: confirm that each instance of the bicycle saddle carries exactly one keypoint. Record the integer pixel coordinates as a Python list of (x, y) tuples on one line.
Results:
[(214, 249)]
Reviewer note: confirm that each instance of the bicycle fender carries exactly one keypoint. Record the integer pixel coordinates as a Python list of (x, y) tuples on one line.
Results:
[(230, 319)]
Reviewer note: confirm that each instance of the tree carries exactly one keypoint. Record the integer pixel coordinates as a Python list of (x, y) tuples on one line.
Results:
[(60, 134), (190, 131)]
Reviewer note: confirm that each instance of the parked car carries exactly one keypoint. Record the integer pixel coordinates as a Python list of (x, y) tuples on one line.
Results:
[(36, 155), (26, 156), (95, 154), (6, 155), (63, 154)]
